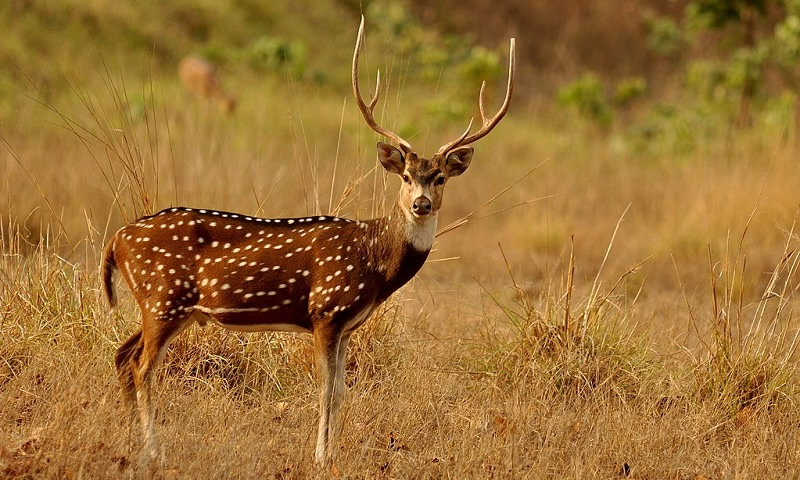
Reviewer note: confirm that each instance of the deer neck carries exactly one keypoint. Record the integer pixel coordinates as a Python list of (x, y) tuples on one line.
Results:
[(398, 245)]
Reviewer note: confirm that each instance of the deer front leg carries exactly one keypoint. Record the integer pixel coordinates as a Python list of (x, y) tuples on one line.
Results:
[(330, 347)]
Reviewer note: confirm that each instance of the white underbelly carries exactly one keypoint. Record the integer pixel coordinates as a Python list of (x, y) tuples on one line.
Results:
[(202, 317)]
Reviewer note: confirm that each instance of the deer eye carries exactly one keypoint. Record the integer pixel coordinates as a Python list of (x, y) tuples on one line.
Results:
[(439, 180), (406, 178)]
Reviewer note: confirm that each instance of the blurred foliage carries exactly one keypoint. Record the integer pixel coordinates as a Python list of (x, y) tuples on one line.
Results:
[(719, 13), (715, 60), (279, 55), (664, 36), (735, 84), (453, 60), (587, 95), (629, 90)]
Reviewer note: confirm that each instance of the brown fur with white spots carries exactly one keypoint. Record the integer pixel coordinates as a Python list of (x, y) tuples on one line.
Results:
[(322, 275), (201, 77)]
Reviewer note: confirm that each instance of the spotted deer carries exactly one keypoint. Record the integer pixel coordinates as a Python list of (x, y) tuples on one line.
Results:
[(200, 76), (321, 275)]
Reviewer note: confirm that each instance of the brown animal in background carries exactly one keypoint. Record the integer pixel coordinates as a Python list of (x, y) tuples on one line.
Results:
[(201, 77), (321, 275)]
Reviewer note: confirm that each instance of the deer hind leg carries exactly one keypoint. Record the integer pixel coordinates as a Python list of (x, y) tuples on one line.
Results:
[(330, 347), (157, 333), (123, 361)]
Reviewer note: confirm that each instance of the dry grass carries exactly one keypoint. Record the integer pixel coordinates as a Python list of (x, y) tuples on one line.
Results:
[(667, 352)]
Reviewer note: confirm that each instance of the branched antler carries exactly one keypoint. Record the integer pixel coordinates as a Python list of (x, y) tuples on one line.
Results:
[(487, 124), (367, 109)]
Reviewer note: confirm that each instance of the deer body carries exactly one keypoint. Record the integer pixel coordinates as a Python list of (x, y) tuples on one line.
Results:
[(321, 275), (260, 273), (201, 77)]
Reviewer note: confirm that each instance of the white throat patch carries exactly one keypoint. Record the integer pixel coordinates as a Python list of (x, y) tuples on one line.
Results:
[(420, 232)]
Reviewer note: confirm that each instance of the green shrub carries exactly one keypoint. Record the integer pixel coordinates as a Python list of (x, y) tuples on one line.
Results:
[(664, 36), (279, 55), (588, 96), (630, 90)]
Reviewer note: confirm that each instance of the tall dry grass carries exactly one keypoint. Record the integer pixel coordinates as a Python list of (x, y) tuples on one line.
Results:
[(624, 327)]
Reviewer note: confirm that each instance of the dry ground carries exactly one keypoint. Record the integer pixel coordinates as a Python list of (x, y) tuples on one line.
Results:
[(676, 358)]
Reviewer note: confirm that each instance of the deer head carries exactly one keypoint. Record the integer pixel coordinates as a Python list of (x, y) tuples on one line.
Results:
[(424, 178)]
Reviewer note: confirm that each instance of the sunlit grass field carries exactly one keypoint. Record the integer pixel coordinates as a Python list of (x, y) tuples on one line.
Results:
[(599, 311)]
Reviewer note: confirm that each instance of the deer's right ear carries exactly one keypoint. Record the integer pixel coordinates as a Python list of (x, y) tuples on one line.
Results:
[(391, 158)]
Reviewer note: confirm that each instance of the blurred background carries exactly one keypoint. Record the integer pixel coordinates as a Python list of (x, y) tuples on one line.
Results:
[(625, 237)]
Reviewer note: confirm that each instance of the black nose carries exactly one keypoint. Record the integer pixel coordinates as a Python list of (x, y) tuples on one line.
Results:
[(421, 206)]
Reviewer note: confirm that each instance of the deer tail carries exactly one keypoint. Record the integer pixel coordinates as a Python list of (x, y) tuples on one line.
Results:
[(107, 272)]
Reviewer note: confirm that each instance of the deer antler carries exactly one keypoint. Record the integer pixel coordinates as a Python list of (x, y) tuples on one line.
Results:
[(487, 124), (367, 109)]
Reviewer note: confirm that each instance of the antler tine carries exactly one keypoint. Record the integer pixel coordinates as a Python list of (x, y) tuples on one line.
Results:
[(480, 103), (488, 125), (367, 109), (449, 146), (377, 93)]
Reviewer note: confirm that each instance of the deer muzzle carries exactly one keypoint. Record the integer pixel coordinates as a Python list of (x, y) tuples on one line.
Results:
[(422, 206)]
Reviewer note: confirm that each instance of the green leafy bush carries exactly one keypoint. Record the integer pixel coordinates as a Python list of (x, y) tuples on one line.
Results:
[(279, 55), (587, 95), (630, 90), (664, 36)]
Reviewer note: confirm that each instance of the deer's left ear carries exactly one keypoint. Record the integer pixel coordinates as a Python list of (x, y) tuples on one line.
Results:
[(458, 161), (391, 158)]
